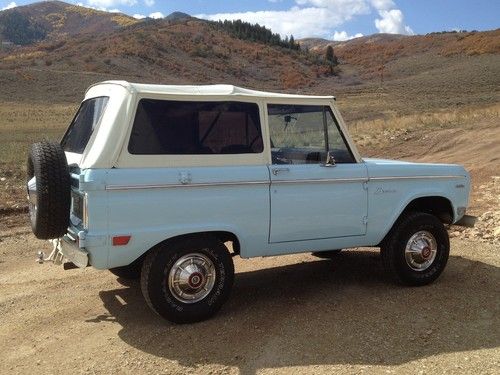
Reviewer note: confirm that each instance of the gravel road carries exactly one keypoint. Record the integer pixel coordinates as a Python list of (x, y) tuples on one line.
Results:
[(287, 315)]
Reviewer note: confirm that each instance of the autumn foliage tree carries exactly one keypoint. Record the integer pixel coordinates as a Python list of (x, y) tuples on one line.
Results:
[(331, 59)]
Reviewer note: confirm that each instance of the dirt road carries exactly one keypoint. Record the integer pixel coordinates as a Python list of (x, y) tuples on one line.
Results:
[(293, 314)]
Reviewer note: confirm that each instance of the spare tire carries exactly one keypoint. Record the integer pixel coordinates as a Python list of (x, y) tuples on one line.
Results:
[(49, 190)]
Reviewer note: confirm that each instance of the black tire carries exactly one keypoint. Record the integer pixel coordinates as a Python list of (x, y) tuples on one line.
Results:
[(156, 271), (50, 215), (329, 254), (422, 227), (130, 272)]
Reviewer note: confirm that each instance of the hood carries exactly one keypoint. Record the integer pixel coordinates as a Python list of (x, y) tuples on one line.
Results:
[(396, 168)]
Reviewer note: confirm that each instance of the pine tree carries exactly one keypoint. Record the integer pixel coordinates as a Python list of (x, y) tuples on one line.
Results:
[(330, 58), (256, 33)]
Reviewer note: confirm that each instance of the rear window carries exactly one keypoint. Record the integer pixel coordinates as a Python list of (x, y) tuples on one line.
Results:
[(81, 128), (187, 128)]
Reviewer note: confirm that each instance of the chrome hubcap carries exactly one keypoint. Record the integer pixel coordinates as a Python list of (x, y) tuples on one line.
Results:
[(191, 278), (421, 250), (32, 197)]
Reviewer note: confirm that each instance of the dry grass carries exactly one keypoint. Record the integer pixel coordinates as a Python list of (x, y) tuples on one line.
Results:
[(20, 126), (122, 20), (382, 131)]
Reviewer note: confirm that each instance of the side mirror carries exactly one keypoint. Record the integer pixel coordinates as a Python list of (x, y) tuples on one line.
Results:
[(330, 160), (288, 119)]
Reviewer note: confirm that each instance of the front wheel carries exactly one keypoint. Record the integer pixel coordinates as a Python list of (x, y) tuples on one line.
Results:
[(187, 280), (416, 250)]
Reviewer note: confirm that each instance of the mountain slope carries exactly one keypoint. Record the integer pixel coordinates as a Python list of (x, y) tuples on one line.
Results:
[(179, 51), (380, 75), (371, 53), (57, 20)]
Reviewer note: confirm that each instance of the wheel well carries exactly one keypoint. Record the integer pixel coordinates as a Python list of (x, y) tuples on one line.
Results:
[(228, 237), (437, 206), (434, 205), (222, 236)]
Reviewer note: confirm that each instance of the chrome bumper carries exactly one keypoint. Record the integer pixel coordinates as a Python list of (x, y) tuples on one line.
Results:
[(69, 247)]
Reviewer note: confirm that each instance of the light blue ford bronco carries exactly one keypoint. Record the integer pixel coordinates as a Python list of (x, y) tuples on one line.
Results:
[(168, 183)]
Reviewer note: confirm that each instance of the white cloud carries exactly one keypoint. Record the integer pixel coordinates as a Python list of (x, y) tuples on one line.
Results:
[(156, 15), (101, 8), (340, 36), (110, 3), (339, 5), (392, 19), (383, 4), (307, 18), (318, 18), (9, 6), (392, 22)]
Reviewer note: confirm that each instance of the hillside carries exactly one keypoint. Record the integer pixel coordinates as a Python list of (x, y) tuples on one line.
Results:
[(380, 75), (56, 20), (371, 53), (180, 51)]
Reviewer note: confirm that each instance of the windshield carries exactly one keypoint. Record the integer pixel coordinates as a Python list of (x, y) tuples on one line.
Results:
[(88, 116)]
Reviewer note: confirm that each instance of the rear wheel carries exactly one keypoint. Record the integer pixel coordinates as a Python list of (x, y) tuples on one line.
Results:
[(416, 250), (187, 280)]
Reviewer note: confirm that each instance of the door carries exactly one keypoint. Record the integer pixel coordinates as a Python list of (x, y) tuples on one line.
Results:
[(310, 198)]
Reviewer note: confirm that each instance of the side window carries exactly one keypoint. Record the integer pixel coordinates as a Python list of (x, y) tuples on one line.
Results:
[(193, 128), (336, 141), (298, 135), (83, 125)]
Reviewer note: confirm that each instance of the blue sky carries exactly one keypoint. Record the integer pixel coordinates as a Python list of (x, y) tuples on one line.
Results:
[(331, 19)]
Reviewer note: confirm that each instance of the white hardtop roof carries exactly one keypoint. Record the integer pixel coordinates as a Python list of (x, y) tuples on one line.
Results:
[(215, 90)]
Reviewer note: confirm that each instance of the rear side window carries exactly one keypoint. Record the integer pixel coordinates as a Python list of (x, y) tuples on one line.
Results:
[(81, 128), (187, 128)]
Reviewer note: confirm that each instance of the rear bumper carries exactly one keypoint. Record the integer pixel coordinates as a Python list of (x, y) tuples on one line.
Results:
[(70, 248), (83, 249)]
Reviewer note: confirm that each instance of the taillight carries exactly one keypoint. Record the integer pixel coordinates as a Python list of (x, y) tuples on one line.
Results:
[(79, 209), (121, 240)]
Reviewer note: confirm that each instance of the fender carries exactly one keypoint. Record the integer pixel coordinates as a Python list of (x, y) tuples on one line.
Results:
[(404, 205)]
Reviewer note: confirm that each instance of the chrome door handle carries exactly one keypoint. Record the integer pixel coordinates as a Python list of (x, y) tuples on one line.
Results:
[(279, 170)]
